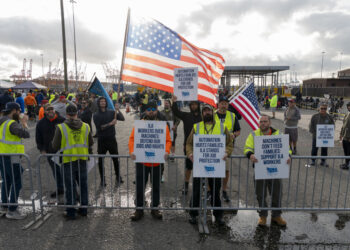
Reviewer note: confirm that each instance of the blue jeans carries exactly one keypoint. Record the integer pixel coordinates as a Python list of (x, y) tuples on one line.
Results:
[(11, 182), (57, 174), (74, 172)]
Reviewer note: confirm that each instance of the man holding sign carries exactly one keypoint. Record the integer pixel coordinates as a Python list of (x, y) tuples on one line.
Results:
[(321, 118), (273, 185), (145, 143), (208, 127)]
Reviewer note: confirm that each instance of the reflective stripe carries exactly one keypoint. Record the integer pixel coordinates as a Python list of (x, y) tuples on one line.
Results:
[(197, 126), (65, 133), (221, 128), (233, 121), (253, 134), (249, 148), (4, 135)]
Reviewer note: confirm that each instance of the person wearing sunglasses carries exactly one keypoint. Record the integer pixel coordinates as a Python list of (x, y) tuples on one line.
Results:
[(322, 117)]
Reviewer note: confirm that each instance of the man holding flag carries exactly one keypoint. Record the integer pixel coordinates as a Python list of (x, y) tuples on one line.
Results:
[(105, 120)]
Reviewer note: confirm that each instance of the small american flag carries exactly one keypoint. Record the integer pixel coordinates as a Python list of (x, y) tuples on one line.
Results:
[(153, 51), (246, 103)]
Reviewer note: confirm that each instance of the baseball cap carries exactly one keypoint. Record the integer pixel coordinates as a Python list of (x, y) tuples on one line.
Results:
[(291, 100), (47, 105), (152, 104), (207, 106), (71, 110), (223, 99), (11, 106)]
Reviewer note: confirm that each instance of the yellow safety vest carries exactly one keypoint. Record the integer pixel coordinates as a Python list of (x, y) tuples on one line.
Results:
[(145, 99), (74, 142), (249, 143), (219, 128), (273, 103), (51, 98), (10, 143), (229, 120), (114, 96)]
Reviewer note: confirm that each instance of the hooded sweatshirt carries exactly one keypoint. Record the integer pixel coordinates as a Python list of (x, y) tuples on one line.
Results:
[(104, 117), (72, 124), (188, 118)]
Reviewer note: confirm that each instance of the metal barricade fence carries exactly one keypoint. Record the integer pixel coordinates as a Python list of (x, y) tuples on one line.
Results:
[(308, 188), (17, 189), (110, 193)]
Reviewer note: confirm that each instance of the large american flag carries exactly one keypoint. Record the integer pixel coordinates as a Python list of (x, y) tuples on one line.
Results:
[(246, 103), (153, 51)]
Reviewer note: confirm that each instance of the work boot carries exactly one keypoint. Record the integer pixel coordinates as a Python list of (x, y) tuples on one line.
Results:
[(54, 194), (157, 214), (262, 221), (225, 196), (279, 221), (3, 210), (220, 221), (344, 166), (193, 220), (15, 215), (324, 164), (103, 183), (137, 215), (118, 182)]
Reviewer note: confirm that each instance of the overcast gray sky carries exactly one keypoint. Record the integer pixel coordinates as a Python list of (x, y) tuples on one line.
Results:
[(244, 32)]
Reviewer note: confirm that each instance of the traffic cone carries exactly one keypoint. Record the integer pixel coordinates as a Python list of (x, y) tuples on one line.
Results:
[(127, 108)]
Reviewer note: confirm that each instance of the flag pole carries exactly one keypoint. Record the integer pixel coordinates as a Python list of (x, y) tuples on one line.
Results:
[(237, 92), (123, 57), (92, 78)]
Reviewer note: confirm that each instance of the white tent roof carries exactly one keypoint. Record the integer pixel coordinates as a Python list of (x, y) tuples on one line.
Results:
[(6, 85)]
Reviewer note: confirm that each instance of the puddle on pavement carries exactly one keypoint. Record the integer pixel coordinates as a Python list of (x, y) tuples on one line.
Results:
[(303, 228)]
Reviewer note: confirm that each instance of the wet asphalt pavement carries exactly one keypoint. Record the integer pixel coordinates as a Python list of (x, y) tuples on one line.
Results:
[(112, 229)]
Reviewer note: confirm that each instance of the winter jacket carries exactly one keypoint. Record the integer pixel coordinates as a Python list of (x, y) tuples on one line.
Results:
[(45, 131)]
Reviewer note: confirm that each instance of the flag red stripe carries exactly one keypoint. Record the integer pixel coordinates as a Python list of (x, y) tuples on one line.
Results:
[(147, 83), (207, 66), (166, 65), (246, 112), (207, 51), (243, 114), (249, 105), (161, 87), (149, 72)]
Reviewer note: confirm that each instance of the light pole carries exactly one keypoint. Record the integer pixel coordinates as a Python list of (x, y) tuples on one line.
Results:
[(75, 47), (42, 67), (322, 62), (42, 63), (341, 54), (64, 48)]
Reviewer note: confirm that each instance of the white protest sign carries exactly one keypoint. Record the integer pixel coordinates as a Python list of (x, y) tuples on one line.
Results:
[(272, 153), (208, 154), (325, 136), (186, 84), (149, 141)]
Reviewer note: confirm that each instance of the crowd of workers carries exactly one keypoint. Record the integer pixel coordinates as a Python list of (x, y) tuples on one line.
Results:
[(65, 127)]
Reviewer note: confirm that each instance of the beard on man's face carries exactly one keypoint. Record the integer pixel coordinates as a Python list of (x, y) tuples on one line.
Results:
[(208, 118), (15, 116), (151, 116)]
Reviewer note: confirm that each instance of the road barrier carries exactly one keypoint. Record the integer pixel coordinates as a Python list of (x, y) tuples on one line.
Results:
[(78, 185)]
